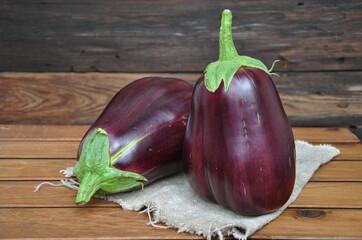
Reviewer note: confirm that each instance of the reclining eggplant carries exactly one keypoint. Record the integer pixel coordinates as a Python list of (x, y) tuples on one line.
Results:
[(137, 139)]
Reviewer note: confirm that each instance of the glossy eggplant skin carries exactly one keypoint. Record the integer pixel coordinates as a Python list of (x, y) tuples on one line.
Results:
[(239, 147), (151, 113)]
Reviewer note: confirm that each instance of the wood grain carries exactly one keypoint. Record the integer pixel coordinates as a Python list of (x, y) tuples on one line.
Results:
[(314, 224), (87, 223), (324, 135), (57, 98), (329, 207), (44, 149), (23, 195), (310, 99), (349, 151), (330, 195), (314, 195), (76, 132), (48, 169), (106, 223), (39, 149), (339, 171), (170, 36), (42, 132), (33, 169)]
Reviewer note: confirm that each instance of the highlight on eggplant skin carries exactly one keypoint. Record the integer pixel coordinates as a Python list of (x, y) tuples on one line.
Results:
[(136, 140), (239, 146)]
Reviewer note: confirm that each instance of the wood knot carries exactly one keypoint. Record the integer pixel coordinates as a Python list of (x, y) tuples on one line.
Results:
[(342, 105), (311, 213)]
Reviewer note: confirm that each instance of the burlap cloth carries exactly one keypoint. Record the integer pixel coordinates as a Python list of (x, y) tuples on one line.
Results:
[(173, 202)]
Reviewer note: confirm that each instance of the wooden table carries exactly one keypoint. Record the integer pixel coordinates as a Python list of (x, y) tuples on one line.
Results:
[(330, 206)]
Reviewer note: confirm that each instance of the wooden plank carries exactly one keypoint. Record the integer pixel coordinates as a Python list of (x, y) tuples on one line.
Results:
[(12, 132), (330, 195), (314, 195), (339, 171), (321, 98), (48, 169), (167, 36), (75, 133), (81, 223), (33, 169), (85, 223), (68, 98), (349, 151), (23, 195), (41, 149), (314, 224), (44, 149), (58, 98), (324, 135)]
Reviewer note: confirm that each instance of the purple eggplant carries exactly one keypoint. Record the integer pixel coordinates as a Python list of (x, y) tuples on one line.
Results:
[(137, 139), (239, 147)]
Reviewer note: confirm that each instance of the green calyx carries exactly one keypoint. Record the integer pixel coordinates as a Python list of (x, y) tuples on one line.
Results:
[(229, 61), (95, 172)]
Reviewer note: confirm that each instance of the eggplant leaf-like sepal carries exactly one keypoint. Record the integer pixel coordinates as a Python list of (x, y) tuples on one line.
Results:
[(95, 172), (224, 70), (229, 61)]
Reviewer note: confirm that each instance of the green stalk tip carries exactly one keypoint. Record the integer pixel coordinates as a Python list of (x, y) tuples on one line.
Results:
[(227, 48)]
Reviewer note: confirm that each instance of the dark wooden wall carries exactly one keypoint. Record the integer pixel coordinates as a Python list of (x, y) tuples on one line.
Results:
[(319, 43), (175, 35)]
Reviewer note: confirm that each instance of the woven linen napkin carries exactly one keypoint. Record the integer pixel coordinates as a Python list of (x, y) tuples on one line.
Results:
[(173, 202)]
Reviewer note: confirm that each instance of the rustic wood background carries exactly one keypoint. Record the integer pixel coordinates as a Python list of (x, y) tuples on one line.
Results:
[(51, 49)]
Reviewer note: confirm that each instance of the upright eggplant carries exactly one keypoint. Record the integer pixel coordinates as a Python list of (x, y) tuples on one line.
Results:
[(137, 138), (239, 148)]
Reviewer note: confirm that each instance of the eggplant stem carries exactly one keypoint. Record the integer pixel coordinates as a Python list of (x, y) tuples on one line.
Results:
[(229, 61), (226, 43)]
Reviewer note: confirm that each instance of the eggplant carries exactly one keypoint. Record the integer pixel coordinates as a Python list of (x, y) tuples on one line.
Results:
[(239, 147), (137, 139)]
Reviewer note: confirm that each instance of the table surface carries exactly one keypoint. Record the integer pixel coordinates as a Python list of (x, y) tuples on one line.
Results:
[(330, 206)]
